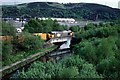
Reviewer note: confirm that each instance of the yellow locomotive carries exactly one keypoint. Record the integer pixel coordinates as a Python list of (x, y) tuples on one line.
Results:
[(44, 36), (54, 34)]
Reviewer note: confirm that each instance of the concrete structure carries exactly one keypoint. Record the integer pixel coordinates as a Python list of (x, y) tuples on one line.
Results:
[(65, 41), (61, 36), (64, 38), (56, 40)]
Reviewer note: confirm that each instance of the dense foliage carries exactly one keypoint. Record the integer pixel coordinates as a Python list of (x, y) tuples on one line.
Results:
[(18, 45), (72, 67), (26, 41), (97, 55), (71, 10), (43, 26), (7, 29), (99, 45), (74, 28)]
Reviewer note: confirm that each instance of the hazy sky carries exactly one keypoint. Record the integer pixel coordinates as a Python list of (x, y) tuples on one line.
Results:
[(112, 3)]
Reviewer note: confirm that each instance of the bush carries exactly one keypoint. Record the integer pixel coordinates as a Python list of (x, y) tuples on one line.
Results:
[(89, 71), (70, 72), (75, 28), (74, 61), (109, 67), (105, 49), (7, 48), (78, 68), (26, 42), (7, 29), (43, 26), (86, 50)]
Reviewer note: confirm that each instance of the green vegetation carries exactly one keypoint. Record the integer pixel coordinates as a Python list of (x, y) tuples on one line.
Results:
[(87, 11), (43, 26), (7, 29), (9, 58), (26, 41), (20, 46), (75, 28), (98, 44), (96, 55), (72, 67)]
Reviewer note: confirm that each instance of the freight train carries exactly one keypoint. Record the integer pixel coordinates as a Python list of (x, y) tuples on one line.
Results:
[(44, 36), (55, 34)]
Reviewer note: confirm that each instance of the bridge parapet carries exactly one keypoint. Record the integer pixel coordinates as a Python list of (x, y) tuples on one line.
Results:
[(60, 39)]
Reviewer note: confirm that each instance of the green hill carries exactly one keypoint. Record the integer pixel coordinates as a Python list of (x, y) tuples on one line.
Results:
[(70, 10)]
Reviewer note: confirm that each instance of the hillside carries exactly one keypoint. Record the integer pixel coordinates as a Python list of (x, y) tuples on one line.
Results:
[(71, 10)]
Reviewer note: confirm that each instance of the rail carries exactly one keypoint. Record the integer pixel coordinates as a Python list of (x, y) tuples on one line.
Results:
[(8, 69)]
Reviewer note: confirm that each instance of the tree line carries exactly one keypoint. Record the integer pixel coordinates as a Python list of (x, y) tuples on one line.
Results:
[(43, 26), (87, 11)]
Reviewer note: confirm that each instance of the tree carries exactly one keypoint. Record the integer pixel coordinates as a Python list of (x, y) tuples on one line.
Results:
[(88, 71), (7, 29), (89, 26), (105, 49), (27, 41), (75, 60), (70, 72), (43, 26), (33, 26), (7, 50), (75, 28), (86, 50), (36, 70), (109, 67)]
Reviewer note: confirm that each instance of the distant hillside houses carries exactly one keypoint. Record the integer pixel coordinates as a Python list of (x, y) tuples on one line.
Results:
[(69, 20), (17, 23)]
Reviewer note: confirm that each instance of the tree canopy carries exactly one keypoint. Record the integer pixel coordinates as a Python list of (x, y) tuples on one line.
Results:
[(43, 26), (7, 29), (98, 44)]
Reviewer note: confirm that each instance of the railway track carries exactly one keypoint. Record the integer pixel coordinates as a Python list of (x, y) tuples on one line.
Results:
[(11, 68)]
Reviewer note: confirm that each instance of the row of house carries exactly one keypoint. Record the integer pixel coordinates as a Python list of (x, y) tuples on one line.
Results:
[(69, 20)]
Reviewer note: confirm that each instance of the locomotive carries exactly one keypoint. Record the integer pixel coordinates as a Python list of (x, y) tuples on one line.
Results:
[(44, 36), (54, 34)]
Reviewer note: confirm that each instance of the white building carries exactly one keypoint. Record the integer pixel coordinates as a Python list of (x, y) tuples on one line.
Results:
[(19, 30), (70, 20)]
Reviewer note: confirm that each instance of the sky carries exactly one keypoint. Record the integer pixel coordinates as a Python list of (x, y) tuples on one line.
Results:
[(111, 3)]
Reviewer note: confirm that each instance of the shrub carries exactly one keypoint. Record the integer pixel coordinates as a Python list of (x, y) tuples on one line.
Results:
[(7, 29), (89, 71), (86, 50), (6, 51), (26, 42), (70, 72)]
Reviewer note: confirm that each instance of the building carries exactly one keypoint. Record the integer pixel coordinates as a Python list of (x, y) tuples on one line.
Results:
[(69, 20)]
